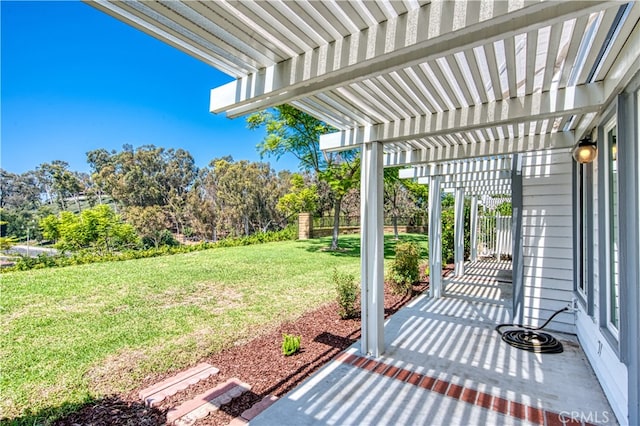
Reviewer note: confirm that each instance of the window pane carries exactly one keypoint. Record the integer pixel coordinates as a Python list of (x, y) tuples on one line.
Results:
[(613, 291), (582, 234)]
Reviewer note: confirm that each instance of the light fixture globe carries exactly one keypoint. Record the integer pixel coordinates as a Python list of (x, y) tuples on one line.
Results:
[(585, 151)]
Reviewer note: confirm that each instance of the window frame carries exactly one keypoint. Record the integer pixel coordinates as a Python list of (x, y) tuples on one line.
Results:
[(612, 241), (609, 116), (583, 236)]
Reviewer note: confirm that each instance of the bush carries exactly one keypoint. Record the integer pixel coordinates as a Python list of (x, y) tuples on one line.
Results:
[(405, 269), (347, 289), (290, 344), (85, 256)]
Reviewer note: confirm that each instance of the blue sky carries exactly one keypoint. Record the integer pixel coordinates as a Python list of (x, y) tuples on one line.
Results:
[(75, 79)]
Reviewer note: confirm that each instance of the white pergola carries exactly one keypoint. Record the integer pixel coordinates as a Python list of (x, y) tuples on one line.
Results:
[(411, 82)]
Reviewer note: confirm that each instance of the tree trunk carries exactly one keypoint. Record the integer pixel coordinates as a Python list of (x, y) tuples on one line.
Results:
[(395, 214), (336, 223), (77, 200), (395, 225)]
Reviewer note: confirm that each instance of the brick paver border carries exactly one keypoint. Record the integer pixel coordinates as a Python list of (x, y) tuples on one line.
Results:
[(471, 396)]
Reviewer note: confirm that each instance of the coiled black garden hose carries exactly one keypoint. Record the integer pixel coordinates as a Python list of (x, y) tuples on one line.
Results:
[(531, 338)]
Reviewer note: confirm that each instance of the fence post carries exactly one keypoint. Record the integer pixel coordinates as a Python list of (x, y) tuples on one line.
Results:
[(305, 226)]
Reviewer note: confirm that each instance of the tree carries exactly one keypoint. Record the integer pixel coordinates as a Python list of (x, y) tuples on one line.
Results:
[(300, 198), (98, 228), (402, 196), (19, 191), (290, 131), (5, 242), (58, 183), (341, 176), (145, 177), (245, 195), (150, 222), (392, 189), (68, 185)]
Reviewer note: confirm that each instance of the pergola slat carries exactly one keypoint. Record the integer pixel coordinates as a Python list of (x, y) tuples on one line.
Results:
[(552, 56), (394, 90), (472, 63), (369, 59), (510, 56), (494, 73), (579, 28)]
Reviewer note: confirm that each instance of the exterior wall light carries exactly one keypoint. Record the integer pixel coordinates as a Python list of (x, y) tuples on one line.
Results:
[(585, 151)]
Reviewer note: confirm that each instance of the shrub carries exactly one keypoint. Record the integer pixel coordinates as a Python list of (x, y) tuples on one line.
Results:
[(290, 344), (347, 289), (85, 256), (405, 269)]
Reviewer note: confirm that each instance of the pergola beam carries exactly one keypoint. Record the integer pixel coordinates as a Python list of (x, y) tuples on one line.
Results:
[(625, 67), (460, 168), (446, 28), (494, 191), (471, 178), (482, 149), (471, 185), (576, 100)]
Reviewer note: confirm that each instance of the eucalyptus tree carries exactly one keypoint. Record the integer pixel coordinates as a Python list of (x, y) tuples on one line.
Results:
[(243, 195), (19, 191), (146, 176), (58, 183)]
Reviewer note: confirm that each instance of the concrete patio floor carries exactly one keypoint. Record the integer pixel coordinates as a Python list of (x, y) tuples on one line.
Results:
[(445, 364)]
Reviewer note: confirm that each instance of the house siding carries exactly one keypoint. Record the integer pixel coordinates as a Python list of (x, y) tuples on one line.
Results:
[(547, 243)]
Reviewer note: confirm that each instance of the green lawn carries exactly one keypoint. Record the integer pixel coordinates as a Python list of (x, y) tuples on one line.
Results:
[(73, 334)]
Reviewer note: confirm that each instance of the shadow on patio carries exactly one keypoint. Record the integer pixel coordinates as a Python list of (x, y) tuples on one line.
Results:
[(445, 364)]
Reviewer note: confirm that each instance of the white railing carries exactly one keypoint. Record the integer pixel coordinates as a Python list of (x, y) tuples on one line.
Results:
[(494, 236)]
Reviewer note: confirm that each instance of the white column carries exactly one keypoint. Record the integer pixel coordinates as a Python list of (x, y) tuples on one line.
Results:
[(372, 249), (435, 238), (458, 232), (473, 238)]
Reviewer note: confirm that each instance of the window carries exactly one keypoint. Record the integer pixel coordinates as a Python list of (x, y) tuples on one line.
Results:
[(582, 231), (613, 287)]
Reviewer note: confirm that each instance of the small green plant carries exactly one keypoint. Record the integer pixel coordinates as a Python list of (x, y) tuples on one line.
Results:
[(347, 289), (405, 269), (290, 344)]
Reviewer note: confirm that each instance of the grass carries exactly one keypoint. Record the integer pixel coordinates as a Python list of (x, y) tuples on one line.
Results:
[(70, 335)]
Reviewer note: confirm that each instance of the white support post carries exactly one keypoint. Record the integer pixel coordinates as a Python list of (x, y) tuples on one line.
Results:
[(435, 238), (372, 249), (458, 232), (474, 229)]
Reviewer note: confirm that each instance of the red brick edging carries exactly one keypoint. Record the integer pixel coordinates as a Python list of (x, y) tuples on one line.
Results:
[(472, 396)]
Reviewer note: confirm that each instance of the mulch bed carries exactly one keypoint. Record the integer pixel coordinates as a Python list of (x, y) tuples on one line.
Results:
[(258, 362)]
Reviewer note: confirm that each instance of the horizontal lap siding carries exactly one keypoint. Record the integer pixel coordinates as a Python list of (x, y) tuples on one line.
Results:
[(547, 238)]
